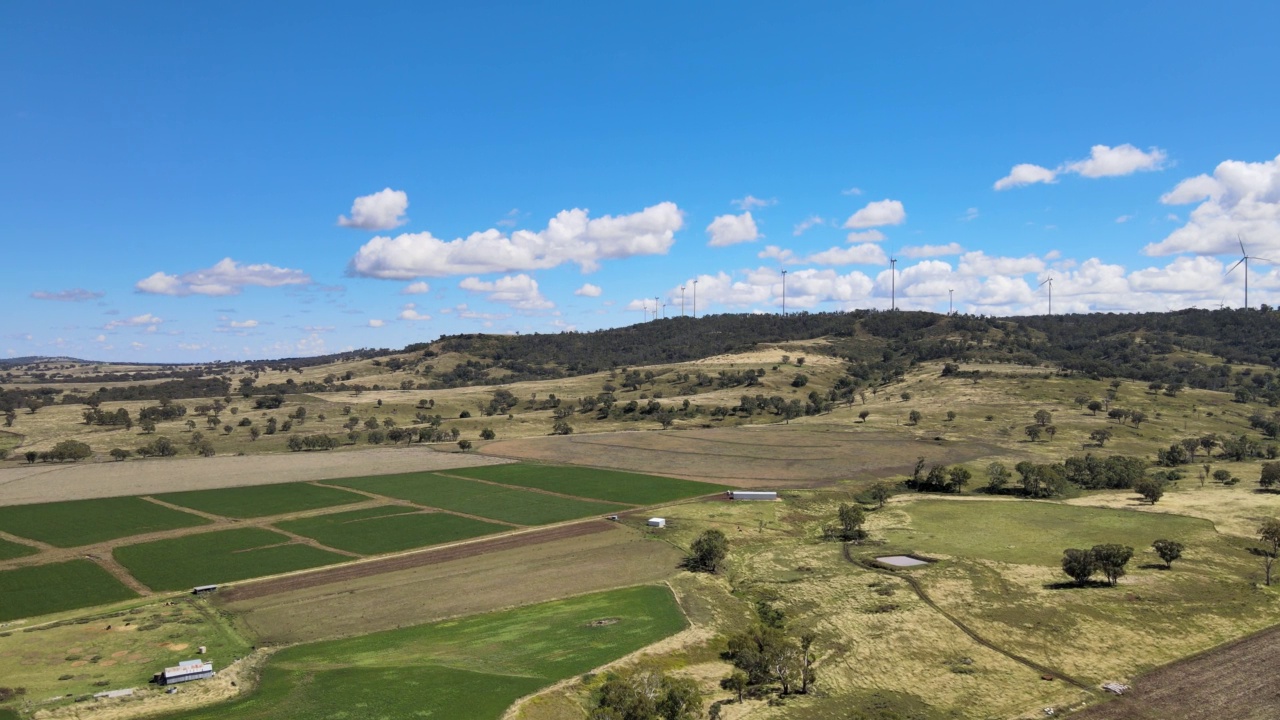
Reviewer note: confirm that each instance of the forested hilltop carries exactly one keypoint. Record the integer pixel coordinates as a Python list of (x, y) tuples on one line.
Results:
[(1231, 350)]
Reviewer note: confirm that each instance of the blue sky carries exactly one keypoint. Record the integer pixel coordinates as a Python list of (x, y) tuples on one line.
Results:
[(188, 183)]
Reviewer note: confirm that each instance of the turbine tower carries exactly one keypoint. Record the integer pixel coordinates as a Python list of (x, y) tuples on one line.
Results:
[(1048, 282), (784, 293), (893, 283), (1245, 257), (695, 299), (681, 301), (951, 301)]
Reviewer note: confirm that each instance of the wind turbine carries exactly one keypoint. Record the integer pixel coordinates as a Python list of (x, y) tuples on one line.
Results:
[(695, 299), (893, 283), (1245, 257), (1048, 282), (681, 301), (784, 293), (951, 301)]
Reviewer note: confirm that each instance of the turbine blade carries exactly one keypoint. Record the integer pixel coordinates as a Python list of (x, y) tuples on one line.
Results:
[(1233, 267), (1241, 241)]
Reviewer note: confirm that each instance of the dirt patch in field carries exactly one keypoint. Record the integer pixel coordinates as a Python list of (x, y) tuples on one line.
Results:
[(1223, 683), (755, 456), (520, 572), (50, 483)]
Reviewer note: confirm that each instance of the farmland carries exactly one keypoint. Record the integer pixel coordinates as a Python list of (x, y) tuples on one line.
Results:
[(10, 550), (261, 500), (41, 589), (83, 522), (471, 668), (218, 557), (513, 505), (608, 485), (387, 529)]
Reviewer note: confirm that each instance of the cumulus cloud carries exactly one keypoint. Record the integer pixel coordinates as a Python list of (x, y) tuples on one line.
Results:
[(851, 191), (375, 323), (926, 251), (865, 254), (1240, 201), (751, 201), (804, 225), (732, 229), (865, 236), (1103, 161), (588, 290), (72, 295), (773, 252), (227, 277), (1123, 219), (876, 214), (410, 312), (980, 264), (382, 210), (146, 320), (418, 288), (241, 324), (970, 215), (571, 236), (1026, 174), (519, 291)]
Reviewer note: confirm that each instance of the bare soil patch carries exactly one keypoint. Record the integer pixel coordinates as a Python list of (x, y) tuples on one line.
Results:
[(753, 456), (50, 483), (1226, 682)]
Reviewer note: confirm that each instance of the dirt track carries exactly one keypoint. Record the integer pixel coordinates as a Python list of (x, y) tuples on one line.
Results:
[(252, 590), (50, 482), (1232, 681)]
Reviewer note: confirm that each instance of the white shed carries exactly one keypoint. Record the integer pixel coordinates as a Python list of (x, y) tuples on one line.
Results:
[(753, 495), (657, 522)]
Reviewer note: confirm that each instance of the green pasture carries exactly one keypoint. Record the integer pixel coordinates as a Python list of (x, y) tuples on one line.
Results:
[(387, 529), (218, 557), (262, 500), (467, 669), (44, 589), (523, 507), (1033, 533), (10, 550), (83, 522), (609, 485)]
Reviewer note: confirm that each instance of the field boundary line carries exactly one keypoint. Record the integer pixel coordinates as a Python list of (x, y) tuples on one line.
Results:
[(973, 634), (552, 493), (387, 499)]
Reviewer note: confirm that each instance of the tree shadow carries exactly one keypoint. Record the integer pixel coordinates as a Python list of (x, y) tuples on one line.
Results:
[(1073, 585), (1154, 566)]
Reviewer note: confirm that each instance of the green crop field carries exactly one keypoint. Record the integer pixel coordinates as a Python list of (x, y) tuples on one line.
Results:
[(10, 550), (218, 557), (512, 505), (610, 485), (44, 589), (84, 522), (387, 529), (262, 500), (467, 669), (1033, 533)]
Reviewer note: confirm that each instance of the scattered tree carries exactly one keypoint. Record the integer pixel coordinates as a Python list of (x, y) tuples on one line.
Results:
[(1150, 489), (1270, 475), (864, 414), (120, 453), (1269, 534), (997, 476), (1034, 432), (1100, 436), (708, 551), (1079, 565), (1168, 550), (1043, 417), (1111, 559), (881, 492), (487, 434)]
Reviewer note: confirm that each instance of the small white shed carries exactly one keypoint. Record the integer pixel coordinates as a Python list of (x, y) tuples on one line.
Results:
[(753, 495), (657, 522)]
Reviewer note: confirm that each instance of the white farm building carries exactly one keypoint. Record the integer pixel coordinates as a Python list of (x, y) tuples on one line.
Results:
[(752, 495), (186, 671), (657, 522)]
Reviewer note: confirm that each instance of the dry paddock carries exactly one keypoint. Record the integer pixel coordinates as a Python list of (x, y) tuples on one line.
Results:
[(51, 482), (1235, 681)]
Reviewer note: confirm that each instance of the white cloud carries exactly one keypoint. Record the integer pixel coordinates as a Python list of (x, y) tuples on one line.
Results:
[(732, 229), (100, 338), (876, 214), (519, 291), (466, 313), (773, 252), (851, 191), (588, 290), (73, 295), (980, 264), (751, 201), (1183, 275), (1124, 219), (1124, 159), (146, 320), (804, 225), (569, 237), (382, 210), (865, 254), (1240, 201), (970, 215), (926, 251), (375, 323), (227, 277), (510, 219), (418, 288), (137, 345), (1026, 174), (865, 236), (410, 312), (243, 324), (1103, 161)]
